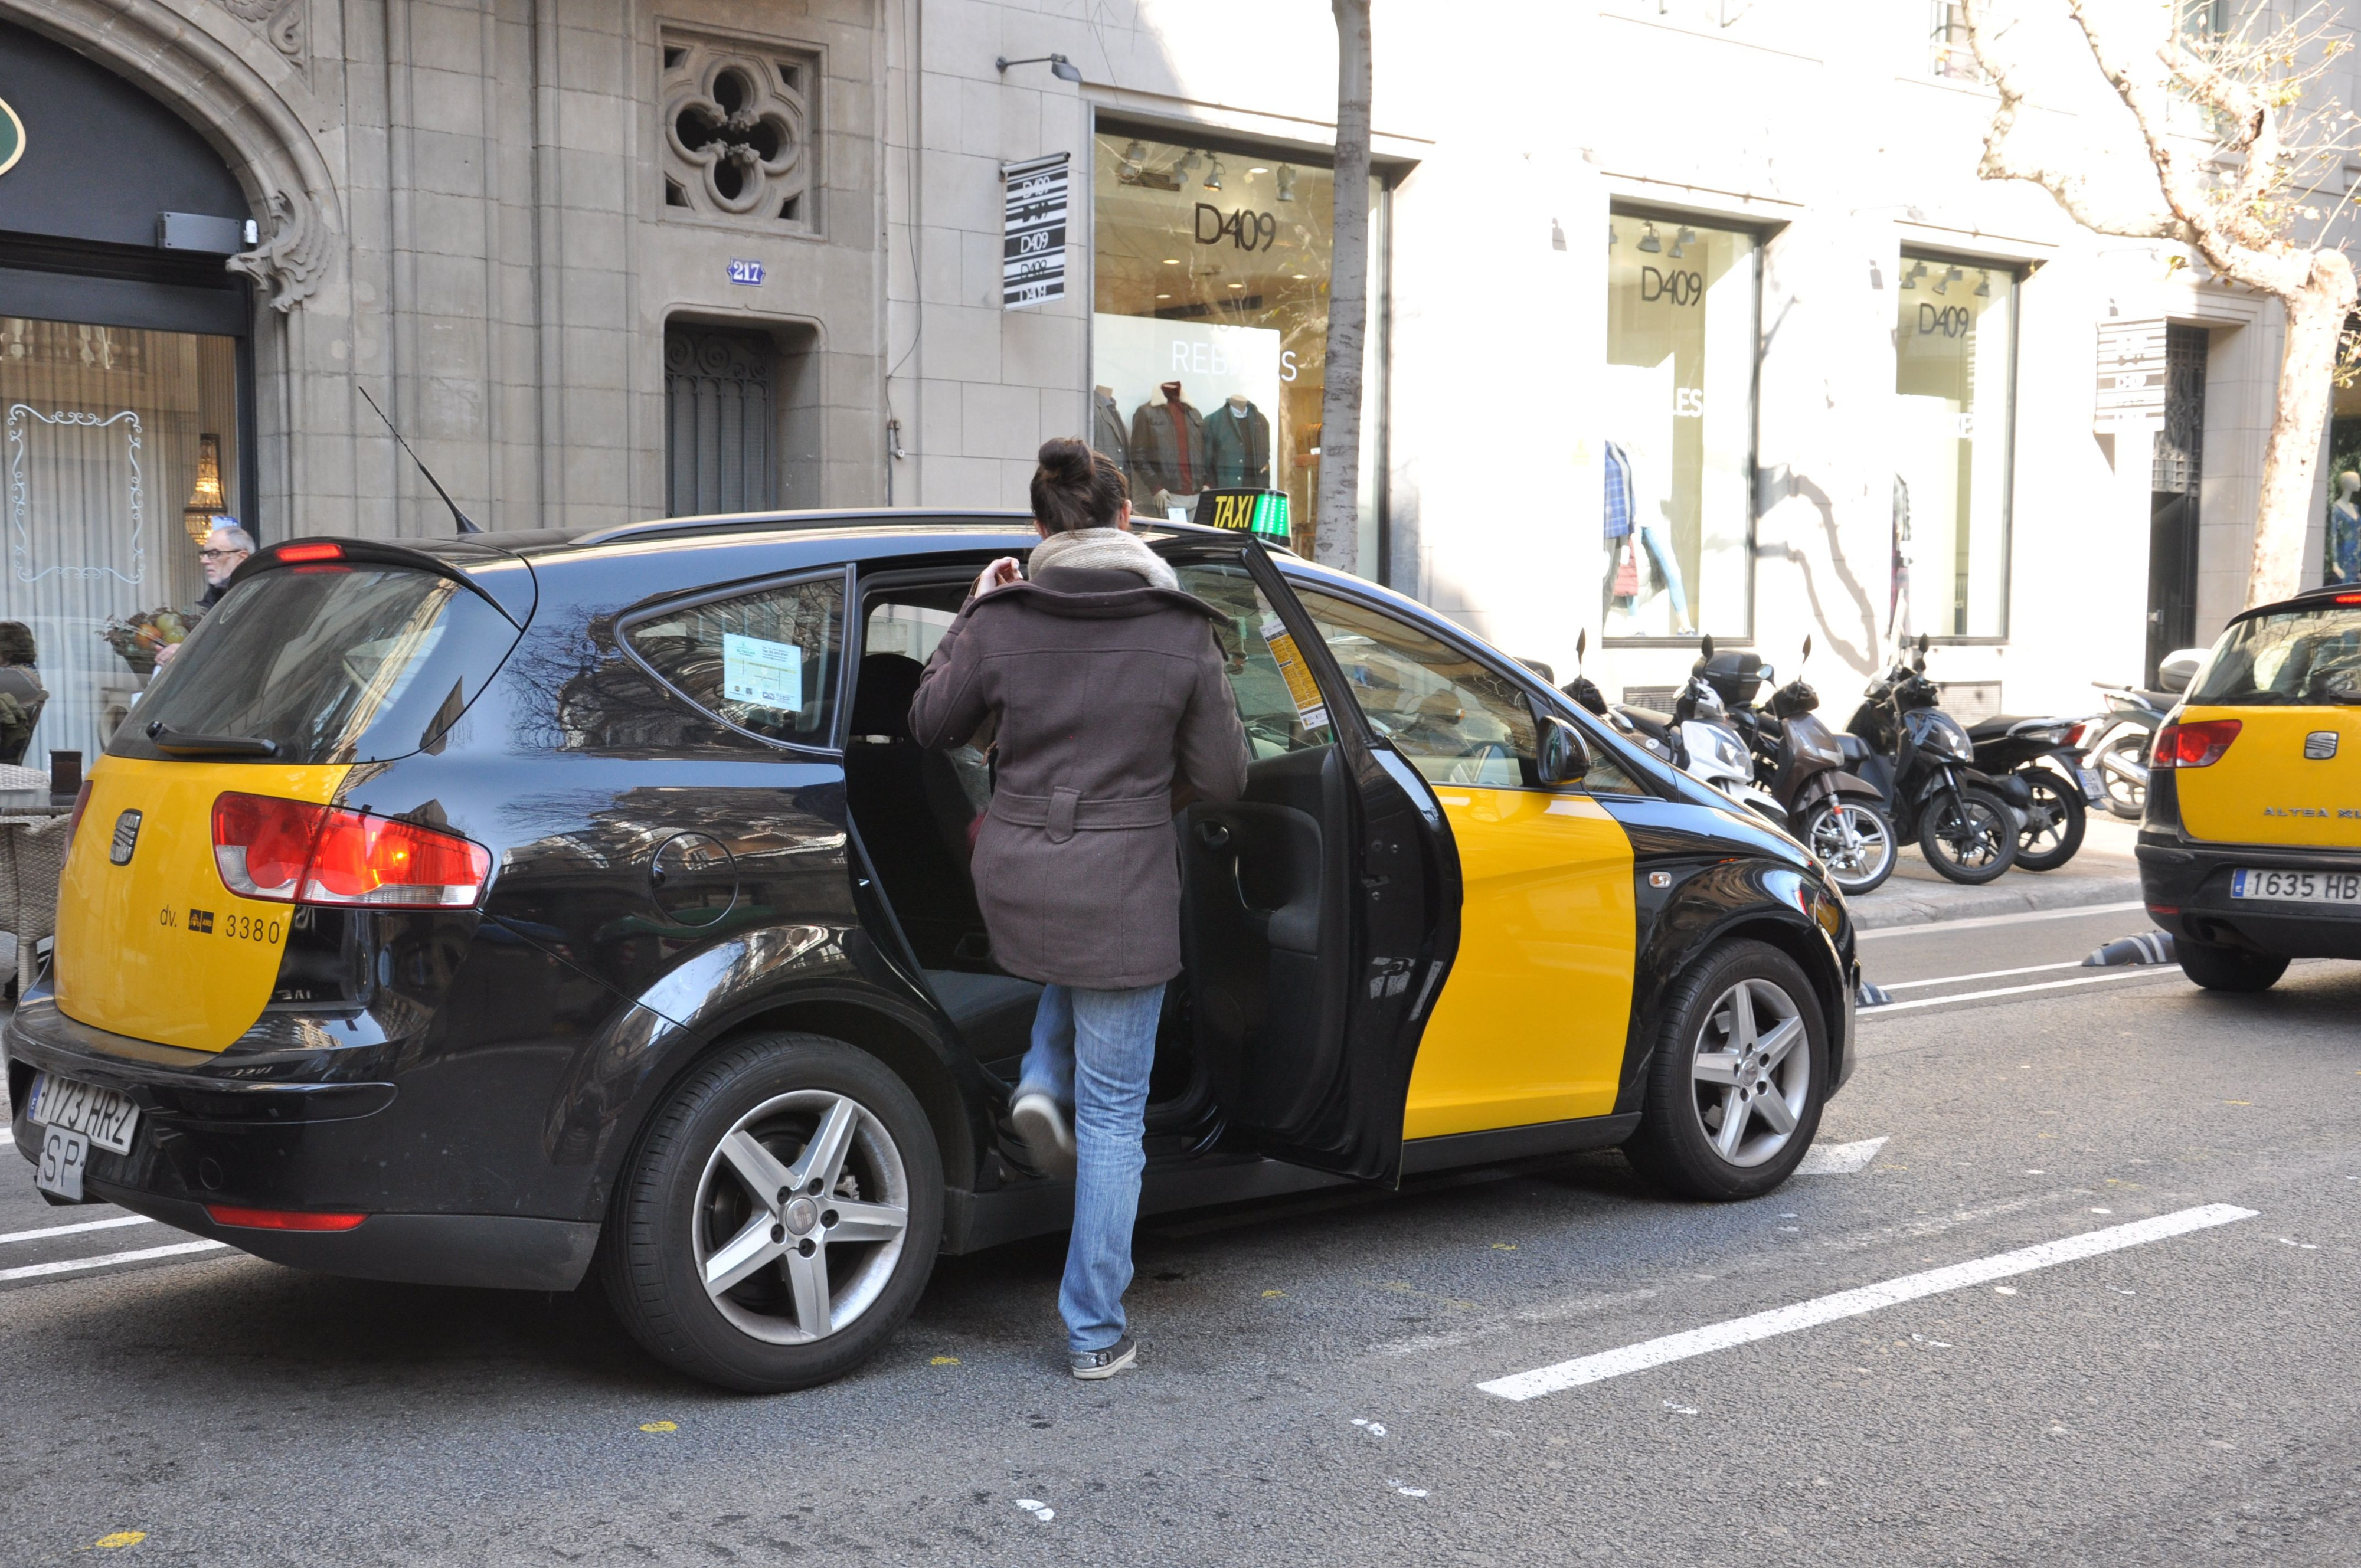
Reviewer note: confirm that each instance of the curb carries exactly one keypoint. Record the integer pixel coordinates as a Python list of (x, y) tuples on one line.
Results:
[(2019, 893)]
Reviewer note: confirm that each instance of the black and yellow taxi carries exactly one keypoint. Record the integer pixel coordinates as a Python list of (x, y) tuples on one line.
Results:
[(2250, 848), (515, 909)]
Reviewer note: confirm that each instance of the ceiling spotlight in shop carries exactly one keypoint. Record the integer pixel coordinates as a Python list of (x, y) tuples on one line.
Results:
[(1062, 68), (1135, 155), (1984, 285), (1213, 176), (1687, 236), (1188, 162), (1286, 178), (1649, 242), (1258, 169), (1910, 277)]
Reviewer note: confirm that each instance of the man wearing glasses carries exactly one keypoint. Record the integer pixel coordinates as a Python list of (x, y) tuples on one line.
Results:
[(225, 548)]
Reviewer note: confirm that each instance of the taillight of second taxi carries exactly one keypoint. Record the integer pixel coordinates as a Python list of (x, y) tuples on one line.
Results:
[(292, 851)]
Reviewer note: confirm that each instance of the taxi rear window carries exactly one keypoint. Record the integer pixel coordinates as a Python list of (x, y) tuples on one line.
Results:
[(346, 663), (2295, 658)]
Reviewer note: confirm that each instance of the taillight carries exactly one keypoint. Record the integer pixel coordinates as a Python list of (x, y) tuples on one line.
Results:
[(2074, 734), (82, 803), (281, 1218), (320, 551), (292, 851), (2194, 745)]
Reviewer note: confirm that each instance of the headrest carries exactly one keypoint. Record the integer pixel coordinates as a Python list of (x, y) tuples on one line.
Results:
[(881, 701)]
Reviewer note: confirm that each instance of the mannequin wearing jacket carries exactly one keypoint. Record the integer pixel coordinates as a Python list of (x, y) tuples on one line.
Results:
[(1108, 433), (1237, 446), (1168, 449)]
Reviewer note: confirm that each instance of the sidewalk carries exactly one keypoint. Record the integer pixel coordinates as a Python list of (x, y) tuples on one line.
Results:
[(2104, 872)]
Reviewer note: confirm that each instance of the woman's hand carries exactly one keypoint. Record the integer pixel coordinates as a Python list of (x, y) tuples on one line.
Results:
[(999, 575)]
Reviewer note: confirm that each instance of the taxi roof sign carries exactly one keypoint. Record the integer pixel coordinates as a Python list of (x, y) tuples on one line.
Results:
[(1260, 512)]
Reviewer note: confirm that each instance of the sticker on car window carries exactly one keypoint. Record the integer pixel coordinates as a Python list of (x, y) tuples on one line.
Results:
[(767, 674), (1309, 708)]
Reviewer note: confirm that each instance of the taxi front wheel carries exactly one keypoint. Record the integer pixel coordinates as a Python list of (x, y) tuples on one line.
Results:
[(1734, 1089), (779, 1218)]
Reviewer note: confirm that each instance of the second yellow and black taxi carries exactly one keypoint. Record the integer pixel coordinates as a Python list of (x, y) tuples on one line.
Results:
[(2250, 850), (519, 909)]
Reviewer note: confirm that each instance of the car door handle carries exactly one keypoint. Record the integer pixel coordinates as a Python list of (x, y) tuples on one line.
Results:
[(1213, 835)]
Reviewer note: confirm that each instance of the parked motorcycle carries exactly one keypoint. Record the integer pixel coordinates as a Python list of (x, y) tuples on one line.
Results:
[(1840, 818), (1921, 762), (2119, 752), (1698, 737), (2043, 755)]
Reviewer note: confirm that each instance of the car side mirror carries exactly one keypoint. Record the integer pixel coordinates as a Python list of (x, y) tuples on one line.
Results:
[(1564, 752)]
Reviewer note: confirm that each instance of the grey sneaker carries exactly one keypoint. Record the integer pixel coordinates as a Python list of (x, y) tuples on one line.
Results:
[(1041, 1125), (1092, 1365)]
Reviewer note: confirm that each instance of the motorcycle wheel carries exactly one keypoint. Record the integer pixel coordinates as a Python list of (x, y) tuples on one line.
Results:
[(1854, 841), (1973, 842), (2055, 822), (2125, 798)]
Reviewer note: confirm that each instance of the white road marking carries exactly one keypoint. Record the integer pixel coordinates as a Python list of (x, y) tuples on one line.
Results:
[(1936, 928), (108, 1260), (1585, 1369), (1985, 974), (1838, 1159), (77, 1229), (2005, 991)]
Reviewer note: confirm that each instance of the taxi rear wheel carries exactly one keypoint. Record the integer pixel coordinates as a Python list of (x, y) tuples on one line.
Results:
[(2219, 968), (1735, 1086), (780, 1217)]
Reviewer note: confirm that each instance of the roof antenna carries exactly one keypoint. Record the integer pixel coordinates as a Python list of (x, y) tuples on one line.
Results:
[(466, 524)]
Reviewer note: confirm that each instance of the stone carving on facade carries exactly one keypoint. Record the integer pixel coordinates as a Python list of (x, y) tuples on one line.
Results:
[(736, 130), (291, 262), (281, 21)]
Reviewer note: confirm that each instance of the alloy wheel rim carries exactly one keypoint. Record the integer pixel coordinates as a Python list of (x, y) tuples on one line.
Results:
[(1853, 844), (801, 1215), (1750, 1078)]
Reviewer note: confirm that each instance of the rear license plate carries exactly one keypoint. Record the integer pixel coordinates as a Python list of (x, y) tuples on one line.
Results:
[(101, 1115), (59, 1168), (2094, 785), (2297, 887)]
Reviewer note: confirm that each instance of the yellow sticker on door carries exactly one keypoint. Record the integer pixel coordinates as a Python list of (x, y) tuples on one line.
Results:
[(1300, 687)]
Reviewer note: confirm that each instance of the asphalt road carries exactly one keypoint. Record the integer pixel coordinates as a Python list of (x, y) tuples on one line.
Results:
[(1309, 1387)]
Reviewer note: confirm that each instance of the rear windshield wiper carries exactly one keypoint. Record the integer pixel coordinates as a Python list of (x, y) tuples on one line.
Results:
[(178, 744)]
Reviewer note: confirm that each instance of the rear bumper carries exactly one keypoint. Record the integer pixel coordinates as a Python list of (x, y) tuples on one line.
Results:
[(325, 1130), (2187, 887)]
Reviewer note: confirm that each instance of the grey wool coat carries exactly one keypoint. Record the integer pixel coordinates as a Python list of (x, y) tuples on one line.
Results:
[(1109, 694)]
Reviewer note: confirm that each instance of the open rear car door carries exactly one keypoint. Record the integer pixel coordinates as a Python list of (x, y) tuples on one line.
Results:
[(1320, 911)]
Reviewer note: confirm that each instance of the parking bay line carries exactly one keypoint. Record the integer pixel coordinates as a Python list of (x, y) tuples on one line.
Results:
[(77, 1229), (108, 1260), (1981, 975), (1983, 922), (1639, 1357), (1882, 1009)]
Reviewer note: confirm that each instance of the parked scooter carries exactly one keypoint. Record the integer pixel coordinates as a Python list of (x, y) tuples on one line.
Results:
[(1840, 818), (2041, 753), (2119, 752), (1699, 738), (1921, 762)]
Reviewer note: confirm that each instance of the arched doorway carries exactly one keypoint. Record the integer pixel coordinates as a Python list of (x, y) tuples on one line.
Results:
[(127, 402)]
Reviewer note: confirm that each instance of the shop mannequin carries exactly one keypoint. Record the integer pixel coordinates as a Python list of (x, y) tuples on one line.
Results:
[(1897, 603), (1107, 433), (1168, 451), (1626, 538), (1237, 445), (2344, 531)]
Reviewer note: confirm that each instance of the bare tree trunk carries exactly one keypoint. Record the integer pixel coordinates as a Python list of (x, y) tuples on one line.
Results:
[(1338, 541), (2316, 318)]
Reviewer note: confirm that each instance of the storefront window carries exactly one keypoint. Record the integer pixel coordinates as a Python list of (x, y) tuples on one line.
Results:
[(119, 453), (1679, 442), (1954, 337), (1210, 327)]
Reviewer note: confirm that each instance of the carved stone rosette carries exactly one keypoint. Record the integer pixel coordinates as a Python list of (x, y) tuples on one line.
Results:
[(737, 131)]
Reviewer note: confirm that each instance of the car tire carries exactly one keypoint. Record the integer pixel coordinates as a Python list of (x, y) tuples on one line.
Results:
[(2219, 968), (2051, 793), (1988, 817), (1694, 1078), (811, 1279)]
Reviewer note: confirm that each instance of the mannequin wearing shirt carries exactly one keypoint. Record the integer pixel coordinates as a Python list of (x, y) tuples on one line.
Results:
[(1237, 445), (1108, 433), (1168, 451)]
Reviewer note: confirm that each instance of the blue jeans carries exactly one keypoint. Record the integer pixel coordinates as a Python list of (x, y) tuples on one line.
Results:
[(1091, 1051)]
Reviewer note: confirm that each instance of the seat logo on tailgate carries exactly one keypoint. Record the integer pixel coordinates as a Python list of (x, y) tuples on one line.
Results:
[(126, 838)]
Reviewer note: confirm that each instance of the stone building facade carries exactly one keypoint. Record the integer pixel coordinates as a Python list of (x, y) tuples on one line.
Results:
[(1688, 315)]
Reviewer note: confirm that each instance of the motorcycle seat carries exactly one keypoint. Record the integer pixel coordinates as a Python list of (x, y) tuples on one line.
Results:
[(1648, 721), (1997, 727), (2163, 702)]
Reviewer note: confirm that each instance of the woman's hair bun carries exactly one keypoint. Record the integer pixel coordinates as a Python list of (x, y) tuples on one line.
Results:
[(1074, 487)]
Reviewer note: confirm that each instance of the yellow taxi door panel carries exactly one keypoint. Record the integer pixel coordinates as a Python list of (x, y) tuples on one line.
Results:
[(2273, 785), (156, 946), (1531, 1022)]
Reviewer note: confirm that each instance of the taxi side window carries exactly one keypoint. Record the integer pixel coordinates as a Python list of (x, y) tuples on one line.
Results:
[(766, 661), (1457, 720), (1278, 702)]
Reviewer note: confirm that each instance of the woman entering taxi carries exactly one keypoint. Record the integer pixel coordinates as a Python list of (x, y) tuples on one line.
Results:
[(1108, 695)]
